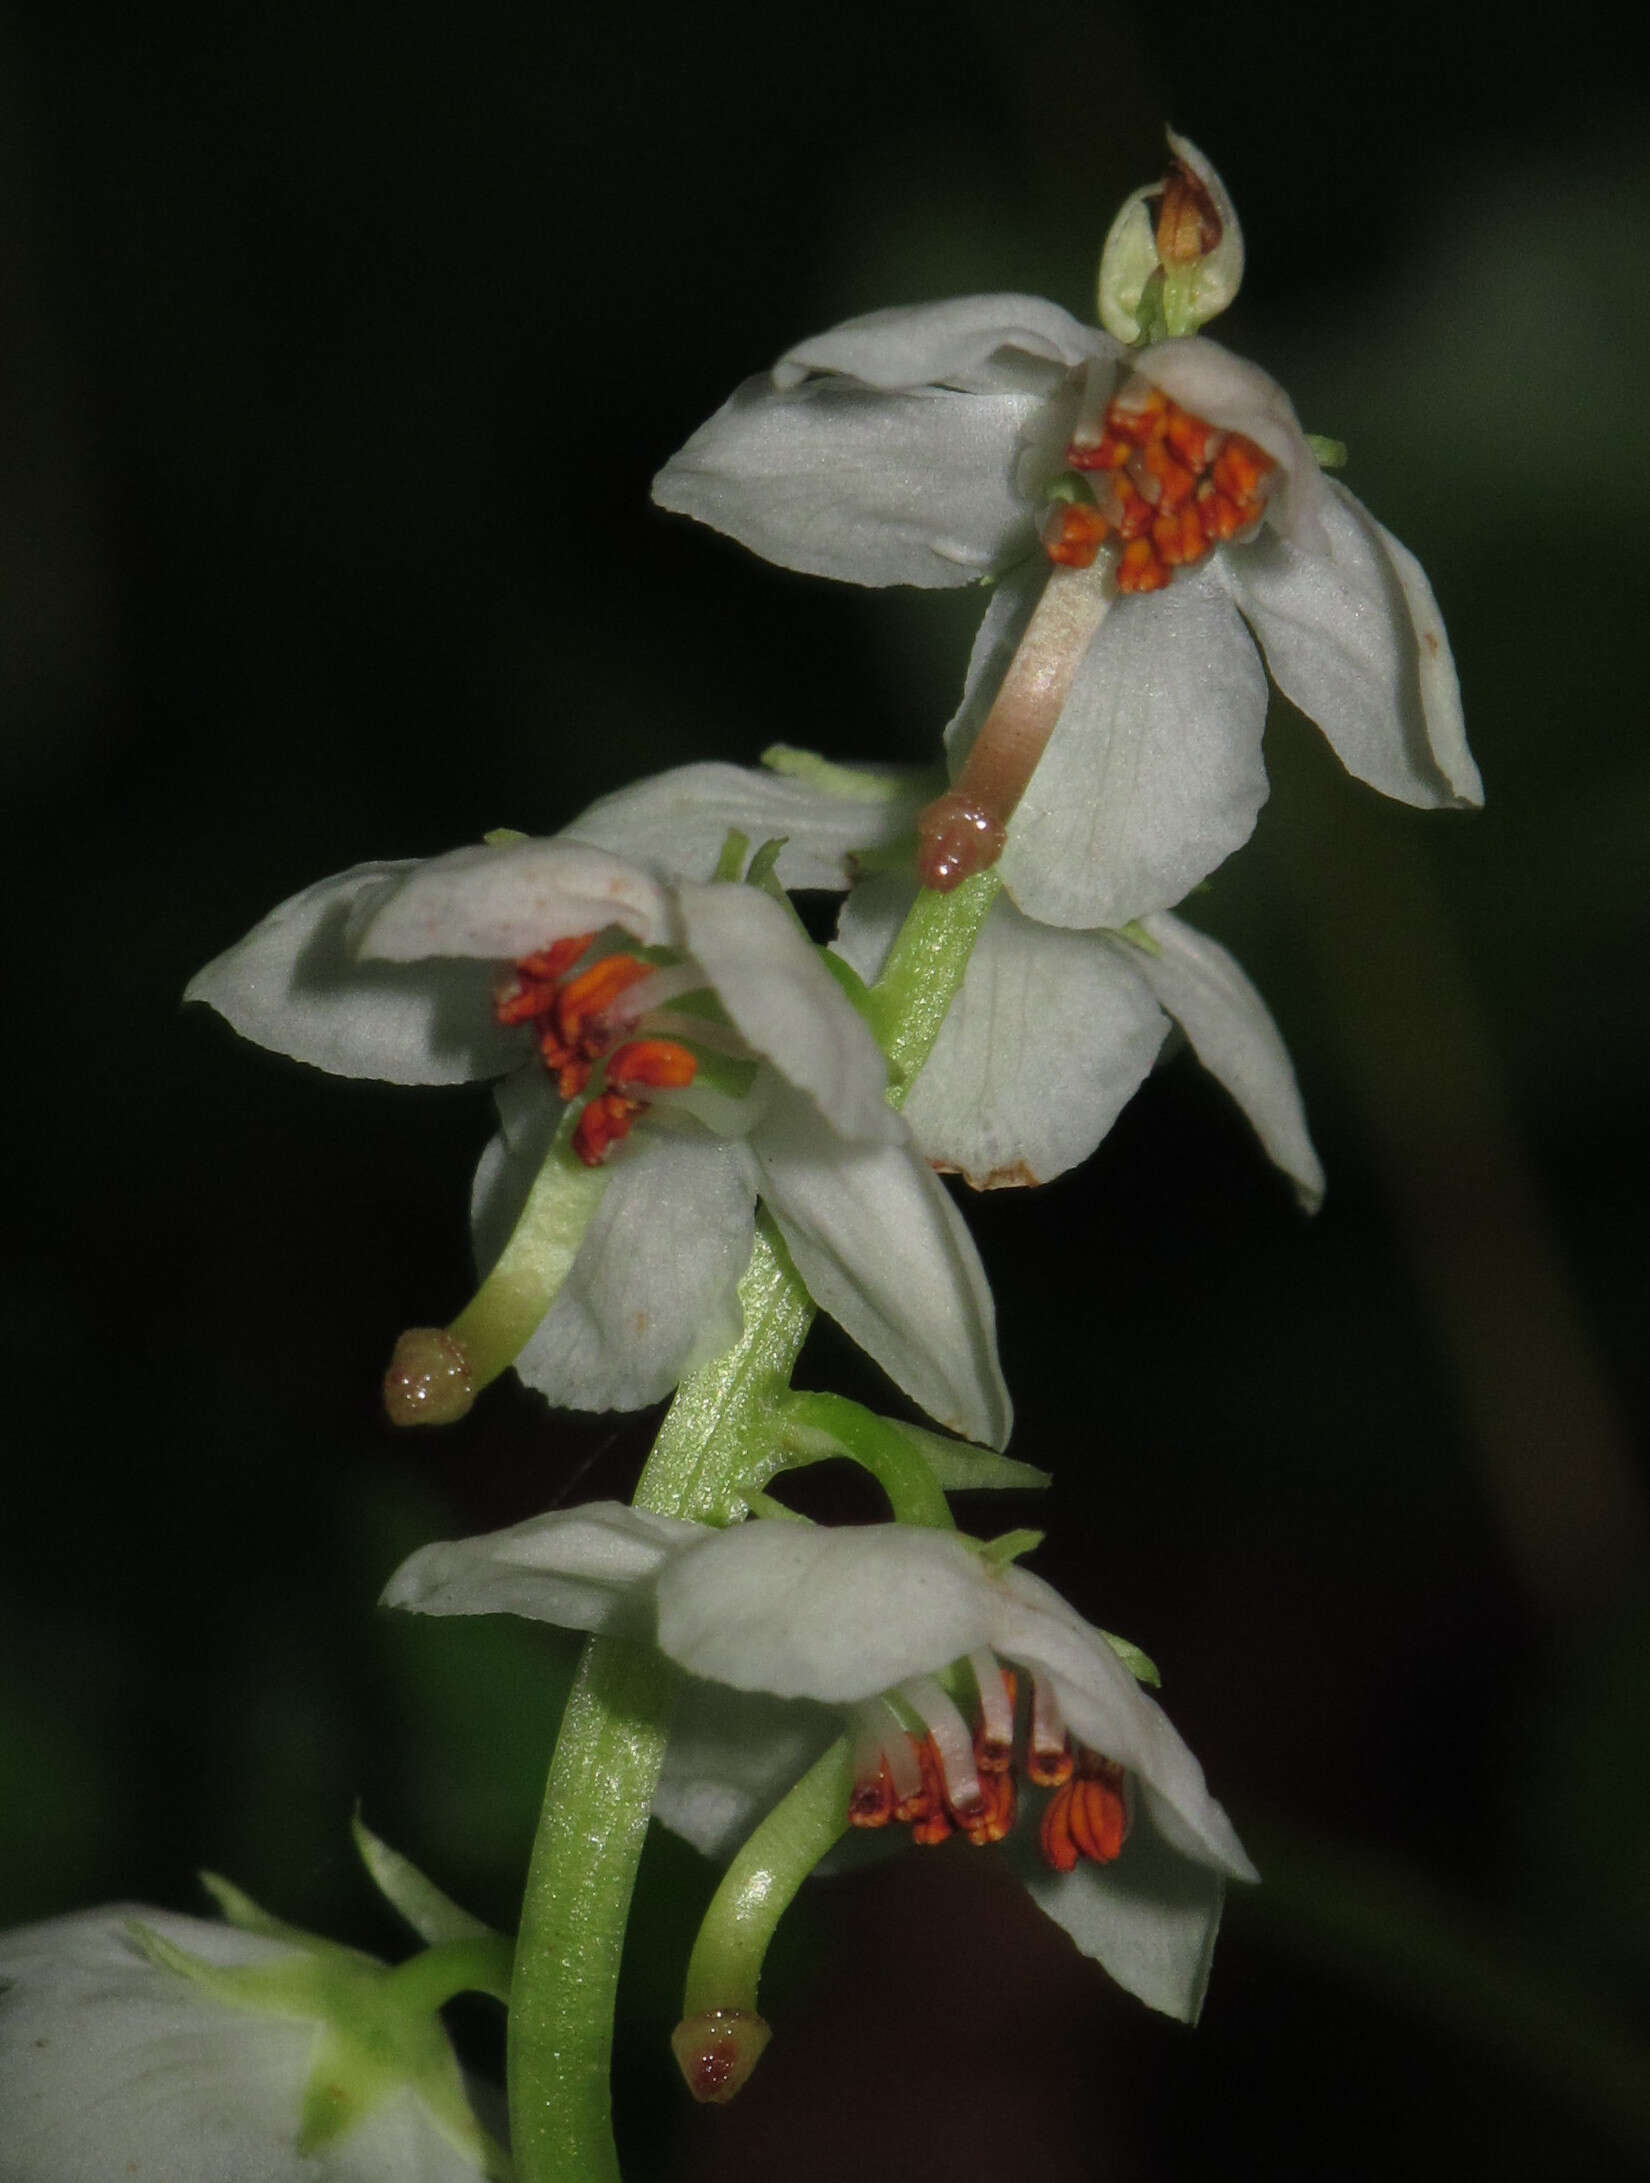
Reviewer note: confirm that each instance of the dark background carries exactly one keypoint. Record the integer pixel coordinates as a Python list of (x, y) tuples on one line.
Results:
[(337, 346)]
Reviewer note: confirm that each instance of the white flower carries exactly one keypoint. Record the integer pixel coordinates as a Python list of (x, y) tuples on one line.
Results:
[(198, 2053), (724, 1053), (936, 445), (868, 1622), (1053, 1030)]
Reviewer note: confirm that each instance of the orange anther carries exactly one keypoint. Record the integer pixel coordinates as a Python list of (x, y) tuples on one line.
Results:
[(871, 1803), (657, 1061), (1073, 532), (587, 997), (1175, 483), (1195, 442), (1178, 539), (1046, 1769), (1163, 479), (1088, 1817), (605, 1121), (992, 1819), (1140, 569)]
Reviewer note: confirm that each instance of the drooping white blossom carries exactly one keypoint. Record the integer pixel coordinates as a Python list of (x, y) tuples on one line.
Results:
[(723, 1062), (944, 443), (790, 1630)]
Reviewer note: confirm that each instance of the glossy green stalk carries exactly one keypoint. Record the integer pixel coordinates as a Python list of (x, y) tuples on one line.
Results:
[(718, 1431)]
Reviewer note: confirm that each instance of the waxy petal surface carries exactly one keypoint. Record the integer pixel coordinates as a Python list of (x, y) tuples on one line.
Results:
[(1354, 638), (590, 1568), (1153, 774), (503, 903), (295, 984), (835, 479), (837, 1615), (1150, 1920), (1051, 1035), (653, 1290), (780, 996), (885, 1252), (972, 342), (1233, 1035), (676, 822)]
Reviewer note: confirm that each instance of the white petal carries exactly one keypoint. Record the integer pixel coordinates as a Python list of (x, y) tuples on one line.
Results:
[(296, 985), (1229, 391), (1234, 1037), (1050, 1037), (835, 479), (838, 1615), (1106, 1709), (676, 822), (885, 1252), (1150, 1919), (732, 1755), (590, 1568), (1153, 774), (1353, 636), (508, 902), (111, 2065), (780, 996), (653, 1289), (964, 341)]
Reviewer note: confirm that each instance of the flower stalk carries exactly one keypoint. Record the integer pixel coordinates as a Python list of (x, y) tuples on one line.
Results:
[(717, 1436)]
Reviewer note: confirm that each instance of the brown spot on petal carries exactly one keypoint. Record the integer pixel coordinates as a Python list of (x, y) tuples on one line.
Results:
[(1017, 1176)]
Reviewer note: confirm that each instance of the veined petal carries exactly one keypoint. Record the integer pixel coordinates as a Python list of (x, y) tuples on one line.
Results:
[(653, 1290), (779, 995), (1150, 1919), (1353, 636), (590, 1568), (803, 1611), (836, 479), (1229, 391), (1153, 774), (676, 822), (506, 902), (964, 341), (885, 1252), (1233, 1035), (296, 985), (1051, 1035), (1105, 1708)]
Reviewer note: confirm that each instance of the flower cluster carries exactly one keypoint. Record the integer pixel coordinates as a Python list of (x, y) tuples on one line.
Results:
[(694, 1096)]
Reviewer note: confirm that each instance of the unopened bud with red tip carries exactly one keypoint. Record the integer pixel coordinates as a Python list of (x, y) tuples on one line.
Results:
[(1174, 257), (717, 2050)]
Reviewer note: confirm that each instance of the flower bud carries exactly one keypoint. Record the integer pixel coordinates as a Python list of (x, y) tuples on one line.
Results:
[(1174, 257)]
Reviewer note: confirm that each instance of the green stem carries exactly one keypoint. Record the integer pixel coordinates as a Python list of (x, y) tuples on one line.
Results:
[(820, 1426), (716, 1433), (758, 1886), (480, 1966), (924, 969), (608, 1756)]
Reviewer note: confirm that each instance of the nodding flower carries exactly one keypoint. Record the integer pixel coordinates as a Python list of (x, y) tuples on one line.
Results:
[(924, 1652), (1154, 520), (664, 1056)]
